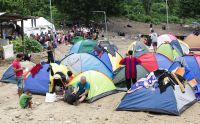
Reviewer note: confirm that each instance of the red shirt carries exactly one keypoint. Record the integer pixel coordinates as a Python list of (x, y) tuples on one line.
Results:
[(71, 77), (16, 65)]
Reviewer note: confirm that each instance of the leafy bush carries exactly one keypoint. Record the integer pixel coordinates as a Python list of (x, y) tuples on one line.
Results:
[(174, 19), (31, 45)]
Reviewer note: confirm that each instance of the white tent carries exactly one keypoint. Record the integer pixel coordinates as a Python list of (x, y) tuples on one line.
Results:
[(33, 26)]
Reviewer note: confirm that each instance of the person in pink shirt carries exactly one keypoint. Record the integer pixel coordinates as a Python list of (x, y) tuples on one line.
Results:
[(18, 73)]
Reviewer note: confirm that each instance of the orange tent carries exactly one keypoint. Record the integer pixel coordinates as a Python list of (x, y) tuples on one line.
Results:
[(193, 41)]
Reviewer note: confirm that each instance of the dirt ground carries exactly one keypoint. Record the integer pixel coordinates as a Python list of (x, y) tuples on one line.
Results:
[(99, 112)]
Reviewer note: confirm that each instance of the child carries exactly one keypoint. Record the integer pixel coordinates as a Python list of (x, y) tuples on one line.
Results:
[(25, 100), (70, 76)]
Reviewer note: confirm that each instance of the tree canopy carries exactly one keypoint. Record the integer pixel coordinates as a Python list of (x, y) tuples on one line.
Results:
[(81, 10)]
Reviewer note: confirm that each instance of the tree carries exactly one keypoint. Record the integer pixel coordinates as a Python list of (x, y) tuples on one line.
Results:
[(147, 6)]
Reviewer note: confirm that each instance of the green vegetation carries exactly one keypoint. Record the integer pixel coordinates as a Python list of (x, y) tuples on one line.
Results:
[(180, 11), (31, 45)]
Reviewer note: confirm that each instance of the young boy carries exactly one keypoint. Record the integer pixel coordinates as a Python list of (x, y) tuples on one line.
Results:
[(18, 69), (25, 100), (70, 76)]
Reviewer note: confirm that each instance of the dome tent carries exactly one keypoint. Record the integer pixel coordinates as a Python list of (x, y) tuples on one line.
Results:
[(193, 41), (169, 101), (169, 51), (41, 83), (138, 48), (165, 38), (9, 74), (83, 46), (119, 75), (154, 61), (109, 46), (80, 62), (76, 39), (100, 84)]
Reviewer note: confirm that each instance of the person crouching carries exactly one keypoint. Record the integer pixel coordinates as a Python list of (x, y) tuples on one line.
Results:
[(81, 90), (25, 100)]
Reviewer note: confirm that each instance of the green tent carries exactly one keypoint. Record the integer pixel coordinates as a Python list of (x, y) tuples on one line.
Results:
[(119, 75), (167, 50), (76, 39), (100, 84), (84, 46)]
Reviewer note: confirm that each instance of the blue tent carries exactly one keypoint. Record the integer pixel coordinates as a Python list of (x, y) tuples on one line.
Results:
[(193, 63), (172, 101), (188, 75), (9, 75), (80, 62), (105, 59), (40, 83)]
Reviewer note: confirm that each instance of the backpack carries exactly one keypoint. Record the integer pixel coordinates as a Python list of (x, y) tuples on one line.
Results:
[(69, 97)]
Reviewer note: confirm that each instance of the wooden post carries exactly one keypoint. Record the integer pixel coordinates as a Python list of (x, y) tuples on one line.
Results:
[(1, 31), (22, 34)]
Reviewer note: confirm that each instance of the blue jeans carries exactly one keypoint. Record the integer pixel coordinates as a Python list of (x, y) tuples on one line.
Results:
[(19, 82)]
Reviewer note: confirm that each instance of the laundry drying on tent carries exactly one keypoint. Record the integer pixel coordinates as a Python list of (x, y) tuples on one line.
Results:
[(138, 48), (80, 62), (188, 75), (100, 84), (43, 81), (83, 46), (154, 61), (164, 96), (9, 74)]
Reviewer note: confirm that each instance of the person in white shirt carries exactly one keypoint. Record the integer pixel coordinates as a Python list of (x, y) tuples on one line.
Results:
[(154, 37)]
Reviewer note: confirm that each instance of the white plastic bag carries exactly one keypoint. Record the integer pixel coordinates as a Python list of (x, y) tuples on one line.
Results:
[(50, 97)]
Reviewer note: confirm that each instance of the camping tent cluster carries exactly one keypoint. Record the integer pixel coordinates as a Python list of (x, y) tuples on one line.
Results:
[(174, 70), (167, 80)]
